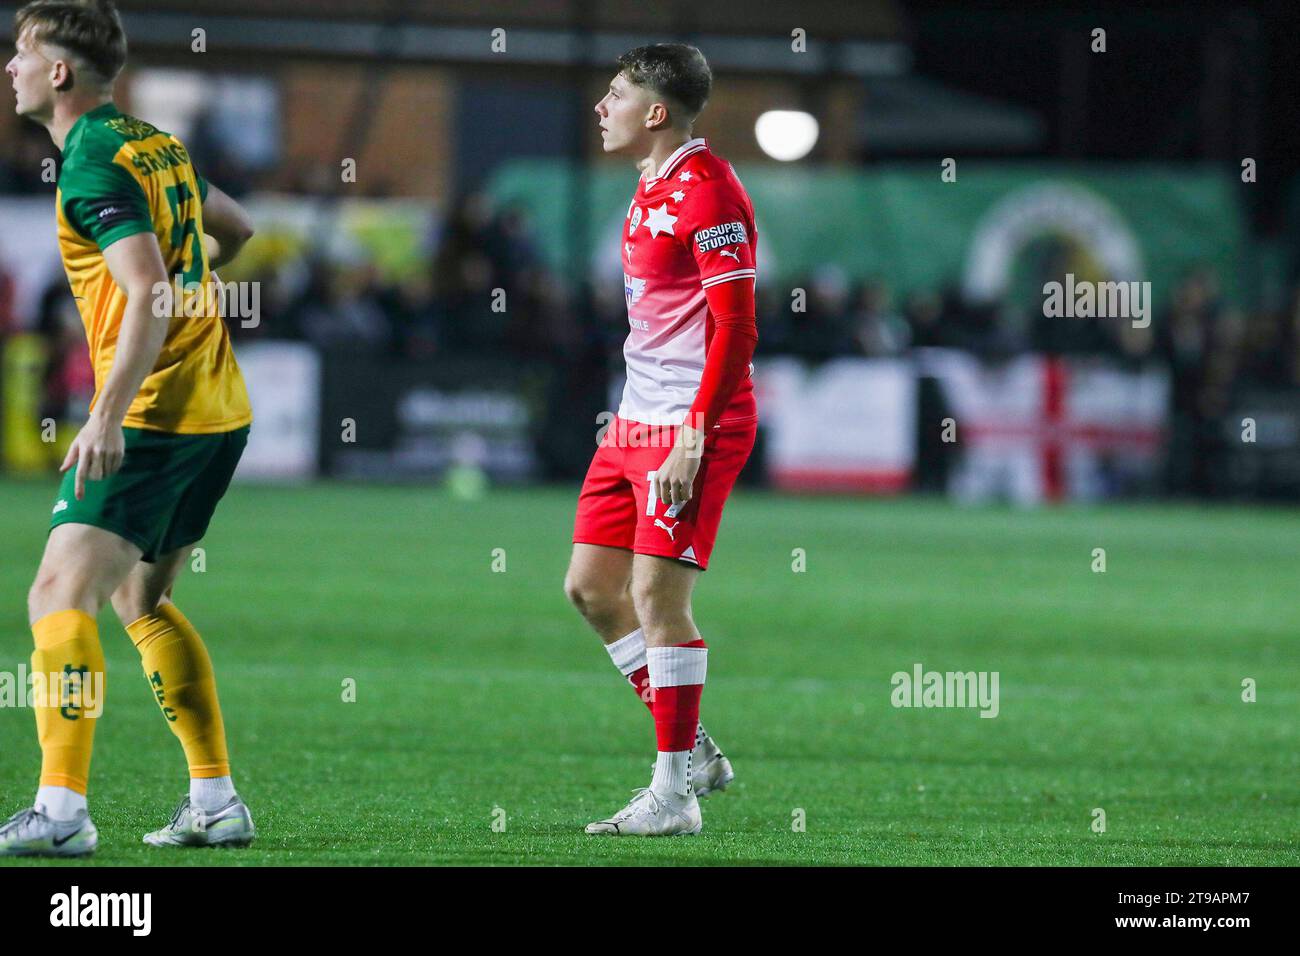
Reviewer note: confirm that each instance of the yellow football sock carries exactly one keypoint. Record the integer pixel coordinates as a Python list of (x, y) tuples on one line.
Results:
[(68, 664), (180, 674)]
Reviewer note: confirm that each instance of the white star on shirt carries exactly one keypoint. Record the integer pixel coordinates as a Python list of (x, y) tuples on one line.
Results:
[(659, 221), (685, 176), (679, 196), (627, 246)]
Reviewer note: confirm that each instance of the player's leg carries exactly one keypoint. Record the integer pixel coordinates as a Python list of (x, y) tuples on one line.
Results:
[(598, 584), (180, 676), (661, 593), (662, 588), (600, 568), (176, 664), (671, 547), (80, 568), (599, 578), (176, 661), (675, 659)]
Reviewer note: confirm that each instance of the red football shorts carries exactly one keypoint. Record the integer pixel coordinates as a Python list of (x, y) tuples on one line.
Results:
[(617, 509)]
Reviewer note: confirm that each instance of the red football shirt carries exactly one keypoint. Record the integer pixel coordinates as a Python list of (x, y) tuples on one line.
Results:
[(690, 228)]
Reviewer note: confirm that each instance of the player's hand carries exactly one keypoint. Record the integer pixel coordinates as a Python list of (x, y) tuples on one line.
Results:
[(96, 452), (675, 480)]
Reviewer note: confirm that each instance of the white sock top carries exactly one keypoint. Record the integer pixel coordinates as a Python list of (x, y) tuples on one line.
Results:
[(628, 653), (210, 794), (60, 803), (677, 666), (672, 773)]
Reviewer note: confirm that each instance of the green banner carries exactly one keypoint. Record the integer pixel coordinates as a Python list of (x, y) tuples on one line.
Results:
[(989, 231)]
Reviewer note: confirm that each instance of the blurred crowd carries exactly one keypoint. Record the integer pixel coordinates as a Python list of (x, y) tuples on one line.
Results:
[(1212, 348)]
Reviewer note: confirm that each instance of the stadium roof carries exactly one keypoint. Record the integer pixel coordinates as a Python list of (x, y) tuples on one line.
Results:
[(854, 39)]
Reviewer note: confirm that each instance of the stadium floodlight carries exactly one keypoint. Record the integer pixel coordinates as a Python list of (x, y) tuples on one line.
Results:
[(786, 135)]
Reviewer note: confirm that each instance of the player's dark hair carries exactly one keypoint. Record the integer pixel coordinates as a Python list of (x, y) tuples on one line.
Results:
[(90, 29), (677, 71)]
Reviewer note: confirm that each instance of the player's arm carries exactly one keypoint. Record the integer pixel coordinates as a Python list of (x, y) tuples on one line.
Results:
[(226, 226), (107, 205), (729, 289), (735, 336), (137, 267)]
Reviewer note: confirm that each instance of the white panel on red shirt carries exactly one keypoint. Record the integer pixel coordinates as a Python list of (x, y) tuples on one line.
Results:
[(688, 228)]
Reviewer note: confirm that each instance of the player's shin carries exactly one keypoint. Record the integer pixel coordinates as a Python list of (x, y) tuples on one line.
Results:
[(628, 655), (677, 682), (68, 676), (180, 675)]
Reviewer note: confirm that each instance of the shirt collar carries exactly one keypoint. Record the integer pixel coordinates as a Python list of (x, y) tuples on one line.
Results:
[(671, 161), (102, 111)]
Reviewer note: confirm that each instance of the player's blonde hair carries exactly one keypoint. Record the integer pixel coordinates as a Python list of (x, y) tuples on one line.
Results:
[(90, 30)]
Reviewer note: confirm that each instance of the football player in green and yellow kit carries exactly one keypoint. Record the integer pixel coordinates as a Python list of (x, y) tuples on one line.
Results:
[(167, 425)]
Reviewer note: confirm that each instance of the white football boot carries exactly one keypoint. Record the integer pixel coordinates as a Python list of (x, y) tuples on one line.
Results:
[(31, 833), (232, 825), (710, 769), (653, 814)]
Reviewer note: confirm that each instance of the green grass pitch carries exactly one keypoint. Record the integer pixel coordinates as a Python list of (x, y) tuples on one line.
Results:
[(478, 690)]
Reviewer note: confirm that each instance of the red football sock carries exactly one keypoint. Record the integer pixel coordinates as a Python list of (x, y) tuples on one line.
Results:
[(676, 698), (640, 681)]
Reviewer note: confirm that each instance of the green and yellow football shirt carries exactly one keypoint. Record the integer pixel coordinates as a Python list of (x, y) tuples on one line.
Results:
[(121, 177)]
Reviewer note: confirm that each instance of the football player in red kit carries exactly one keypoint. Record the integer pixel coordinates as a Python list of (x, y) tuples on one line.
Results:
[(652, 500)]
